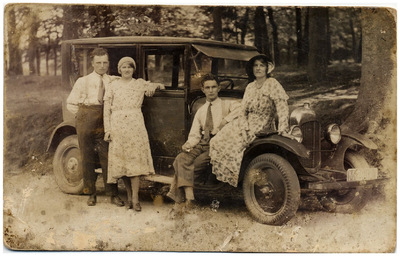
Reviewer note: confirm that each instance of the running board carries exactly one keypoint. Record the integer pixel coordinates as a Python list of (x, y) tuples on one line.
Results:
[(159, 178)]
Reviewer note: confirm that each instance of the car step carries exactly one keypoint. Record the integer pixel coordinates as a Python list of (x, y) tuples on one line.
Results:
[(159, 178)]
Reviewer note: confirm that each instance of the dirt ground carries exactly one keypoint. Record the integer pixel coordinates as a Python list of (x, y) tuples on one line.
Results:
[(38, 216)]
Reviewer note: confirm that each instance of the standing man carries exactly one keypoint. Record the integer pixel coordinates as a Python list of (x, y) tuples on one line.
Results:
[(86, 101), (191, 165)]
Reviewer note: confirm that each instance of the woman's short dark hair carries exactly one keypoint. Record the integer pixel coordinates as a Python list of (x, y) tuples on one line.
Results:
[(209, 77), (249, 66), (98, 52)]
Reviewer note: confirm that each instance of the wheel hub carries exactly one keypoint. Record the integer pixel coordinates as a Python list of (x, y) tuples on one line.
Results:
[(268, 190), (72, 165)]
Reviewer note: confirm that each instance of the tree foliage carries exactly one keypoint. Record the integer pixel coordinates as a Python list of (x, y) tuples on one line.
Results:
[(281, 31)]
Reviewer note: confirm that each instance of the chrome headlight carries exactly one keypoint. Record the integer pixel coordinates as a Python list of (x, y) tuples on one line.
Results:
[(333, 133), (296, 133)]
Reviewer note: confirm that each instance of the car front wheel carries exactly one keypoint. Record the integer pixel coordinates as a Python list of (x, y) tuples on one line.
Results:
[(271, 189), (66, 163), (350, 200)]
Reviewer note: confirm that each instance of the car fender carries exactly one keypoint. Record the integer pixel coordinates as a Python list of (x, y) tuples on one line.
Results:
[(62, 130), (349, 139), (359, 138), (336, 160), (290, 145)]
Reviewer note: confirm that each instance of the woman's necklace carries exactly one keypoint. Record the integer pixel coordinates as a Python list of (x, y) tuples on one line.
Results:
[(259, 84)]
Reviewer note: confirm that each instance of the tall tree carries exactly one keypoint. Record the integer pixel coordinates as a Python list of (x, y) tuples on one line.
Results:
[(52, 28), (276, 50), (34, 24), (243, 25), (261, 39), (13, 36), (318, 53), (306, 37), (356, 40), (299, 34), (328, 37), (217, 21), (376, 102), (73, 21)]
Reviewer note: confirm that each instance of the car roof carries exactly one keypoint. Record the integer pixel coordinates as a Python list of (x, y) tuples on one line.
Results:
[(156, 40)]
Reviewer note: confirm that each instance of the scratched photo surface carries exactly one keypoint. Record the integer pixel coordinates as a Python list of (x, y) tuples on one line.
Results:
[(326, 182)]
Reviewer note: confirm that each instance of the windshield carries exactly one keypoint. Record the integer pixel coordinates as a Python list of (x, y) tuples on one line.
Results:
[(230, 73)]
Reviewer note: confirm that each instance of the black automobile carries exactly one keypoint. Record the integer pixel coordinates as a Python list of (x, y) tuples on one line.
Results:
[(275, 170)]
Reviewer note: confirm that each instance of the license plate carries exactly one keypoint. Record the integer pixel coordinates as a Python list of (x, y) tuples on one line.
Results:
[(362, 174)]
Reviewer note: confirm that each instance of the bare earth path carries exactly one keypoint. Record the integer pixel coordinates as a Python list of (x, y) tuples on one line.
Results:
[(38, 216)]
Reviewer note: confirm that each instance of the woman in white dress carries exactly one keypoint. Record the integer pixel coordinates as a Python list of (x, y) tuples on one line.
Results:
[(129, 155)]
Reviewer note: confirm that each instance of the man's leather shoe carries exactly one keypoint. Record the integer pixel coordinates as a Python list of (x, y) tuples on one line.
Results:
[(92, 200), (117, 201), (190, 205)]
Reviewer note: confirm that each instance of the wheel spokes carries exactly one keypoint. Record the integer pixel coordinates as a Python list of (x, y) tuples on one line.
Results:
[(269, 190)]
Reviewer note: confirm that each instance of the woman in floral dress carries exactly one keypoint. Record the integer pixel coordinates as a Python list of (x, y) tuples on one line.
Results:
[(129, 154), (263, 98)]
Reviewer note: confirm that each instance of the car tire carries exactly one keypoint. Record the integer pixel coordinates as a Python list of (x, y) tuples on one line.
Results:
[(271, 189), (352, 200), (66, 163)]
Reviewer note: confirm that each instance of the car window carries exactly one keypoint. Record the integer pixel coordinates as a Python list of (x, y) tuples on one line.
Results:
[(229, 71), (165, 65)]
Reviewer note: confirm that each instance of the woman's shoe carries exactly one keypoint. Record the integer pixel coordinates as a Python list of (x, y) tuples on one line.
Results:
[(129, 205), (137, 207)]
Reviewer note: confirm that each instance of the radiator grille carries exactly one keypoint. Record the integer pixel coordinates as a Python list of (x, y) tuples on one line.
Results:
[(311, 140)]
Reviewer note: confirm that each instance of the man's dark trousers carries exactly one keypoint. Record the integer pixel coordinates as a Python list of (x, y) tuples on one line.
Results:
[(90, 130)]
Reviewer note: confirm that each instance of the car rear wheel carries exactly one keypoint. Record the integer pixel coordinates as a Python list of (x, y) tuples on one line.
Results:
[(350, 200), (271, 190), (66, 163)]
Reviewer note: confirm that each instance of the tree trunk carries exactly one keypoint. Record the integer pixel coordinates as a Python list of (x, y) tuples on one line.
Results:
[(47, 60), (55, 58), (328, 38), (217, 22), (318, 54), (359, 50), (376, 102), (38, 60), (276, 49), (306, 38), (299, 33), (14, 53), (261, 40), (71, 14), (34, 23), (244, 26)]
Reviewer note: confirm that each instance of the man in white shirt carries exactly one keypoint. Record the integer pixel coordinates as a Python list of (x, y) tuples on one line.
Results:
[(191, 165), (86, 102)]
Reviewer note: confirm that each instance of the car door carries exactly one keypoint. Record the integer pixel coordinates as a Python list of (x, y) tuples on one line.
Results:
[(165, 113)]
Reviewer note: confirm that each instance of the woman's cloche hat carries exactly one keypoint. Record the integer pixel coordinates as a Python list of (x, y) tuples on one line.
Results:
[(126, 60)]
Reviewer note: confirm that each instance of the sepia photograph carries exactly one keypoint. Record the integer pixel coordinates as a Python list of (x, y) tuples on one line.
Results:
[(199, 128)]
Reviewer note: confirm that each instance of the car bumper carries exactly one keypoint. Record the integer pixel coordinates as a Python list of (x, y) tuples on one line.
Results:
[(339, 185)]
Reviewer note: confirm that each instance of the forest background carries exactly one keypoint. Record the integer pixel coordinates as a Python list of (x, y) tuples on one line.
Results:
[(314, 48)]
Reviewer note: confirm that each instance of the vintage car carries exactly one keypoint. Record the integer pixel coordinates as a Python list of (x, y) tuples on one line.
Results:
[(275, 171)]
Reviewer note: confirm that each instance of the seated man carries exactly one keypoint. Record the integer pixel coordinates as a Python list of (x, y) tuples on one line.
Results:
[(191, 164)]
